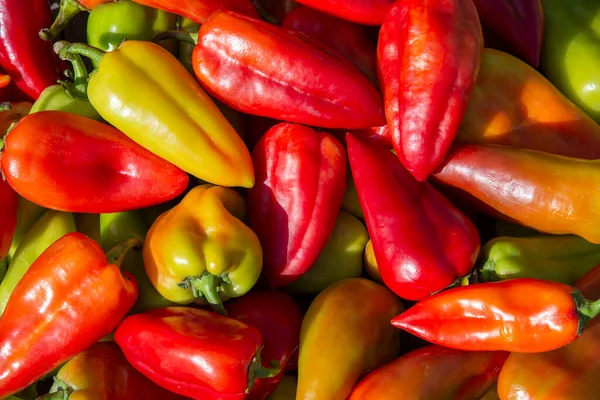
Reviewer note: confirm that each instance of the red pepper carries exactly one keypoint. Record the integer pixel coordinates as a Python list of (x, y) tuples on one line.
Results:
[(29, 60), (70, 298), (81, 165), (366, 12), (348, 39), (193, 352), (262, 69), (199, 10), (8, 217), (278, 318), (429, 53), (380, 134), (421, 241), (519, 315), (301, 178)]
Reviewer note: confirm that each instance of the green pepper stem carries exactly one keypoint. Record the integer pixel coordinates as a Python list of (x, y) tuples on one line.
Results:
[(68, 10), (182, 36), (64, 49), (257, 371), (81, 76), (117, 254), (591, 309), (206, 286), (60, 394), (6, 106)]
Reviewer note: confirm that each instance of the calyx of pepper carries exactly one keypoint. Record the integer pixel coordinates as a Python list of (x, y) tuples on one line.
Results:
[(257, 371), (68, 10), (59, 391), (586, 310), (72, 52), (117, 254), (207, 287)]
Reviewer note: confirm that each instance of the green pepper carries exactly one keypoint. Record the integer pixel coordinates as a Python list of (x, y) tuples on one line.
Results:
[(571, 52), (3, 268), (186, 49), (89, 225), (562, 259), (118, 227), (50, 227), (341, 258), (57, 98), (350, 202), (27, 215)]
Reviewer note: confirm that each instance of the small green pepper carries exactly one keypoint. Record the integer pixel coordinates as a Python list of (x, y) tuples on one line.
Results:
[(57, 98)]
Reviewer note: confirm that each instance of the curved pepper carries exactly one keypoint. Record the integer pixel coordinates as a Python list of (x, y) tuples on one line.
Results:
[(183, 126), (282, 74), (200, 10), (193, 352), (519, 315), (433, 373), (201, 250), (286, 390), (428, 54), (70, 298), (562, 259), (365, 12), (48, 229), (8, 217), (346, 332), (546, 192), (278, 318), (102, 372), (348, 39), (302, 175), (114, 229), (28, 59), (341, 258), (107, 171), (515, 105), (410, 224), (572, 51)]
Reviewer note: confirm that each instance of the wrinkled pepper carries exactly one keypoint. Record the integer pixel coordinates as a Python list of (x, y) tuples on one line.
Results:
[(571, 51), (341, 258), (519, 315), (546, 192), (195, 353), (13, 114), (514, 105), (365, 12), (85, 166), (202, 251), (102, 372), (24, 56), (345, 333), (570, 372), (8, 217), (302, 176), (114, 229), (278, 318), (183, 126), (28, 214), (370, 263), (562, 259), (281, 74), (348, 39), (67, 11), (458, 375), (428, 55), (48, 229), (286, 390), (410, 223), (200, 10), (71, 297)]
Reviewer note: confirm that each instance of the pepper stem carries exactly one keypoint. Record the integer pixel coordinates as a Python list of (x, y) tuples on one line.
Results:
[(64, 49), (60, 394), (206, 286), (117, 254), (257, 371), (182, 36), (6, 106), (68, 10), (80, 77)]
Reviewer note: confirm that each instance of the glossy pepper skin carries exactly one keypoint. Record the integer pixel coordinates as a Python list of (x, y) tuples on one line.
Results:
[(570, 372), (193, 352), (282, 74), (348, 39), (202, 251), (514, 105), (428, 55), (71, 297), (364, 12), (458, 375), (571, 49), (102, 372), (200, 10), (183, 126), (345, 332), (401, 214), (564, 258), (48, 229), (278, 318), (28, 59), (546, 192), (501, 316), (302, 177), (85, 166), (67, 11), (8, 217)]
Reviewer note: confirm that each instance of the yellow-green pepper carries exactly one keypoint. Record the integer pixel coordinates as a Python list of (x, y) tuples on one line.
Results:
[(350, 201), (28, 214)]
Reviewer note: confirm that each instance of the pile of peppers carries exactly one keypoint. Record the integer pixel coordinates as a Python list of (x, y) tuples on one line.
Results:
[(300, 200)]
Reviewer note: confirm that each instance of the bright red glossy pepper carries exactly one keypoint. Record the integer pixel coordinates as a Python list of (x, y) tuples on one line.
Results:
[(8, 217), (365, 12), (28, 59), (72, 296), (519, 315), (282, 74), (348, 39), (278, 318), (428, 53), (193, 352), (421, 241), (199, 10), (301, 178), (82, 165)]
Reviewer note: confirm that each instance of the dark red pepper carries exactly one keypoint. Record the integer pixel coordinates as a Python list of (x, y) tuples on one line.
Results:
[(366, 12), (8, 217)]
